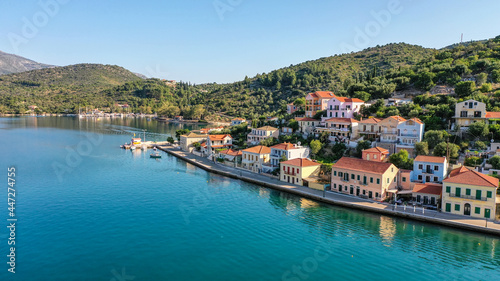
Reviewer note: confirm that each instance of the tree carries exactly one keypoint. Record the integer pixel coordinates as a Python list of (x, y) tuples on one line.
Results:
[(401, 160), (465, 88), (316, 146), (324, 137), (293, 124), (481, 78), (433, 137), (486, 87), (283, 158), (495, 162), (422, 148), (180, 132), (480, 145), (362, 145), (425, 80), (362, 95), (300, 102), (319, 114), (170, 140), (473, 161), (268, 142), (478, 129), (255, 123), (495, 75), (440, 149)]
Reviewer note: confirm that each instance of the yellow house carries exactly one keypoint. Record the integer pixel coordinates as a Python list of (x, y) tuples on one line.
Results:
[(363, 178), (255, 157), (470, 193), (186, 141), (295, 170), (262, 133), (468, 112)]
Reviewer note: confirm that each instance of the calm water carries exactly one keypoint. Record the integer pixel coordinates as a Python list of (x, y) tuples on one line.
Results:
[(111, 214)]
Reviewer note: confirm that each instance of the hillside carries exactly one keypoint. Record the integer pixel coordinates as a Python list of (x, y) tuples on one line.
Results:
[(10, 63)]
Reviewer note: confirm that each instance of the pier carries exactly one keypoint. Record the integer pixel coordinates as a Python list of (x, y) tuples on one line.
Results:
[(334, 198)]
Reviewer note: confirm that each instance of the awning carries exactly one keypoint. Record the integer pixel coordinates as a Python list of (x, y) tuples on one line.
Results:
[(405, 192)]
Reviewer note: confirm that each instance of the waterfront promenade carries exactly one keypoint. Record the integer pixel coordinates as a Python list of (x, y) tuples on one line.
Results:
[(461, 222)]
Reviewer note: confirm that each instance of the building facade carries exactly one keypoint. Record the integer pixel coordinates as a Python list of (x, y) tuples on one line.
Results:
[(307, 125), (339, 129), (262, 133), (186, 141), (238, 121), (218, 141), (429, 169), (377, 154), (296, 170), (287, 151), (254, 158), (427, 194), (342, 107), (409, 133), (317, 101)]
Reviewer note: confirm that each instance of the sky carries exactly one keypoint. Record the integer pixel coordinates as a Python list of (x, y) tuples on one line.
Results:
[(204, 41)]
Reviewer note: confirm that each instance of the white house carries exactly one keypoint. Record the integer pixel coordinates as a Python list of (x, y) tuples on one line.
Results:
[(409, 133), (289, 151)]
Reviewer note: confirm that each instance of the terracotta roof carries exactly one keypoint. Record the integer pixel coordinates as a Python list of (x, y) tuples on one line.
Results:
[(490, 114), (267, 128), (397, 118), (204, 145), (468, 176), (259, 149), (231, 152), (355, 164), (344, 99), (370, 121), (221, 145), (301, 162), (242, 119), (323, 94), (306, 119), (417, 120), (377, 149), (283, 146), (430, 159), (194, 135), (218, 137), (429, 188), (341, 120), (405, 171)]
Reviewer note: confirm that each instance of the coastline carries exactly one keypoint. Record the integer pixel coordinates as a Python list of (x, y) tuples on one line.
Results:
[(333, 198)]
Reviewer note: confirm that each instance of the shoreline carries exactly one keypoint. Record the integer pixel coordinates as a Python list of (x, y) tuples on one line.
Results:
[(333, 198)]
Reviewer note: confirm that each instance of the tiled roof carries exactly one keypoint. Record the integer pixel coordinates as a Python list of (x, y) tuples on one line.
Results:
[(430, 159), (259, 149), (324, 94), (464, 175), (218, 137), (341, 120), (490, 114), (344, 99), (306, 119), (429, 188), (301, 162), (267, 128), (194, 135), (370, 121), (417, 120), (283, 146), (397, 118), (377, 149), (231, 152), (355, 164)]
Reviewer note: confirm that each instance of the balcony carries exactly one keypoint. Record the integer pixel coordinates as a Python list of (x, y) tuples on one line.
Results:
[(409, 135), (471, 197), (290, 173)]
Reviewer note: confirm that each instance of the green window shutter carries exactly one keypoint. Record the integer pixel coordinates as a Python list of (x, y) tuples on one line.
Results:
[(467, 191), (448, 207), (478, 194), (477, 210), (457, 207), (487, 213), (458, 191), (448, 189), (489, 194)]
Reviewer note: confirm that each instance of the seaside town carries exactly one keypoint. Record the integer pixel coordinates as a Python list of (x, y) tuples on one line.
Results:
[(390, 160)]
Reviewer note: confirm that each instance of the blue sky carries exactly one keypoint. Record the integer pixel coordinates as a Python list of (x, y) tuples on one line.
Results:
[(224, 40)]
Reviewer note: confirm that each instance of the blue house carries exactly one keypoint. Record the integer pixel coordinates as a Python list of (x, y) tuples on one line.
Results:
[(429, 169)]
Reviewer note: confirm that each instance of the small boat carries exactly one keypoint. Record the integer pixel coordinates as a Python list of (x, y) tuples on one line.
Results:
[(155, 155), (132, 148)]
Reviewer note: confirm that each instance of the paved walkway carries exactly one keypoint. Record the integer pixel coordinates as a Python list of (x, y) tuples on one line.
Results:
[(335, 198)]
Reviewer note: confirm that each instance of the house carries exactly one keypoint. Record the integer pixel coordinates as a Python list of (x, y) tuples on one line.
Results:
[(186, 141), (317, 101), (409, 133), (287, 151), (377, 154), (210, 130), (470, 193), (388, 129), (262, 133), (493, 117), (254, 158), (296, 170), (427, 193), (178, 118), (238, 121), (468, 112), (342, 107), (230, 155), (339, 129), (368, 128), (405, 185), (291, 108), (307, 125), (429, 169), (218, 141), (286, 130), (363, 178)]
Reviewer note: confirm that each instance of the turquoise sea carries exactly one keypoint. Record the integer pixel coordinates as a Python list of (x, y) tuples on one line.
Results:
[(88, 210)]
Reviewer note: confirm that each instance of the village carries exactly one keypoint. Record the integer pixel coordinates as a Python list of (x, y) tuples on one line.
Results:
[(427, 181)]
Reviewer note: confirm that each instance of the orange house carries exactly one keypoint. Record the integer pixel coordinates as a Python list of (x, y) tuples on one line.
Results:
[(317, 101), (377, 154)]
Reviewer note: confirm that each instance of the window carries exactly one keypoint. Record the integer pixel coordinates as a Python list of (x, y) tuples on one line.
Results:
[(335, 173), (345, 188), (436, 179), (488, 194), (340, 174), (387, 180), (477, 210), (334, 186), (458, 191), (353, 176), (376, 194), (420, 166), (378, 181), (374, 156), (364, 192), (371, 180), (448, 189), (467, 191), (448, 207), (436, 168), (419, 177), (340, 187), (404, 179), (457, 207), (478, 194), (358, 177)]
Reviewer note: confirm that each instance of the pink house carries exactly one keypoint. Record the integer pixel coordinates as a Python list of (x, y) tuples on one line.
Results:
[(317, 101), (342, 107), (291, 108)]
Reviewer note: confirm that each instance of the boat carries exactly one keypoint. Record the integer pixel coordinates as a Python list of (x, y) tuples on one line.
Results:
[(155, 155), (132, 147)]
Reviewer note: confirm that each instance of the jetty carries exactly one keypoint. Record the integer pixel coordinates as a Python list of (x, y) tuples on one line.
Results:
[(334, 198)]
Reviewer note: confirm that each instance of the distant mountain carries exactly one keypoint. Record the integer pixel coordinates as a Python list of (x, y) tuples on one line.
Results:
[(10, 63)]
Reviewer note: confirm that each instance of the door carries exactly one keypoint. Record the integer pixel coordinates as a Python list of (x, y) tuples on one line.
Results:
[(352, 190), (467, 209), (487, 213), (458, 192), (357, 191), (433, 200), (370, 194)]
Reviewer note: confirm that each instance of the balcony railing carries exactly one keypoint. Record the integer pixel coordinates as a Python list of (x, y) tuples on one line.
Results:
[(472, 197), (289, 173), (409, 135)]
